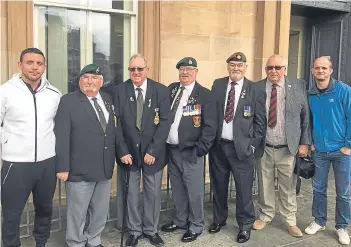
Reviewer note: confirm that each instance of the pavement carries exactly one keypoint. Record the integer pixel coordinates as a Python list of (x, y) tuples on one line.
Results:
[(273, 235)]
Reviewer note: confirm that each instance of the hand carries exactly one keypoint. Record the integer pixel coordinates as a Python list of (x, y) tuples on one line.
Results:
[(346, 151), (148, 159), (63, 176), (312, 148), (303, 150), (127, 159)]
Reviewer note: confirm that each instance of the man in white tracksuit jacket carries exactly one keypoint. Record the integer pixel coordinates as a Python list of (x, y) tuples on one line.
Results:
[(28, 104)]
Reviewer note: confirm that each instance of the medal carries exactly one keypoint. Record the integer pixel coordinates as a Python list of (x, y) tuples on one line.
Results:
[(157, 118), (197, 121)]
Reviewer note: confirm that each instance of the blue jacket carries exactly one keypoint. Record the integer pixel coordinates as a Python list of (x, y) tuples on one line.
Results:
[(331, 116)]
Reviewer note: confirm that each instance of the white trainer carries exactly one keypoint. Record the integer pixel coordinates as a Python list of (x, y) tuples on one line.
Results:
[(344, 237), (313, 228)]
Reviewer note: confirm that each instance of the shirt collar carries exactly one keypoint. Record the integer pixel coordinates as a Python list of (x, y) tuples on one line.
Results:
[(98, 96), (240, 82), (279, 84), (143, 86), (189, 87)]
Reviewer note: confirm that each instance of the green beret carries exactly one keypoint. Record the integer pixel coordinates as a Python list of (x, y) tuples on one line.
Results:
[(90, 69), (187, 61), (237, 57)]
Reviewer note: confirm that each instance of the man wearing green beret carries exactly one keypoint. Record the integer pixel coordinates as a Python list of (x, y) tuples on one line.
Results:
[(192, 133), (241, 131), (85, 148)]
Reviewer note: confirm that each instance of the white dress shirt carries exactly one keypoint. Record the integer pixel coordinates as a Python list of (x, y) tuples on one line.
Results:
[(101, 104), (143, 89), (227, 130), (173, 134)]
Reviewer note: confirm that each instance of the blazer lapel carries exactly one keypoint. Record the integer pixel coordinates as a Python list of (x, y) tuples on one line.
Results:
[(147, 108), (174, 92), (131, 98), (223, 94), (89, 108), (195, 93), (244, 93), (288, 95)]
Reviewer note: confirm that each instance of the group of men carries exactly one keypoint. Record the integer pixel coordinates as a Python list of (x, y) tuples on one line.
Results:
[(145, 126)]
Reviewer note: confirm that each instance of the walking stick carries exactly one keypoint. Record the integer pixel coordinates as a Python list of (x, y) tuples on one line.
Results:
[(126, 178)]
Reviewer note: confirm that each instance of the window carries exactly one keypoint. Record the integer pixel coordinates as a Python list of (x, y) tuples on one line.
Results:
[(75, 33)]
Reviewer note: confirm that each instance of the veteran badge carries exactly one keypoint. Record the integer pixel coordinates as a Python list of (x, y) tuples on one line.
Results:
[(197, 121), (247, 111)]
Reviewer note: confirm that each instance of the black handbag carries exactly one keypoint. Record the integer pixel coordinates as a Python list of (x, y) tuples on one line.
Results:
[(304, 167)]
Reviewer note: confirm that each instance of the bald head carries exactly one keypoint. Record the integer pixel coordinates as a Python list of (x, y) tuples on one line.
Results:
[(275, 68), (322, 70)]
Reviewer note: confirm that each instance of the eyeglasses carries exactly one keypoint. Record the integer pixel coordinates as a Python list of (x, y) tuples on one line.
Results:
[(186, 69), (238, 65), (139, 69), (274, 67)]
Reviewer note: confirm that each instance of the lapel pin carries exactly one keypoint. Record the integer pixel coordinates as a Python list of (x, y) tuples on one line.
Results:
[(149, 103), (289, 86), (131, 99)]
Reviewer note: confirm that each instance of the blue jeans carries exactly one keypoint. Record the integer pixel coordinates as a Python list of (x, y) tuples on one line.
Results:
[(341, 167)]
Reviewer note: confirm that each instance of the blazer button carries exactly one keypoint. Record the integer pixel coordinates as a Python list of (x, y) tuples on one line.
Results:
[(105, 147), (137, 145)]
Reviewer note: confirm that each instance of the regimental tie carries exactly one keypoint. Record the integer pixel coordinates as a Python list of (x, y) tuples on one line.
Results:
[(229, 109), (272, 115), (176, 103), (100, 114), (140, 104)]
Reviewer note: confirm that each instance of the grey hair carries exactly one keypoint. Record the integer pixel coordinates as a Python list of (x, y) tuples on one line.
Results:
[(138, 55)]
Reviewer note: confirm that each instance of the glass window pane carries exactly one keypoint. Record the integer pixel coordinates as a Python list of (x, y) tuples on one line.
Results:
[(112, 4), (70, 2), (111, 46), (64, 30)]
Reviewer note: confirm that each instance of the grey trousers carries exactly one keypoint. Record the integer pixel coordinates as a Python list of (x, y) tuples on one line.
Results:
[(145, 218), (87, 210), (187, 180)]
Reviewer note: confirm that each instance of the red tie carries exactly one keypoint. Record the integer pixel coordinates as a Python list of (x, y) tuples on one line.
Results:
[(272, 116), (229, 110)]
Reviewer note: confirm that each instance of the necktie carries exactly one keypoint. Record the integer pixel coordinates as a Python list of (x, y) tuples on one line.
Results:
[(272, 115), (100, 114), (140, 104), (176, 103), (229, 110)]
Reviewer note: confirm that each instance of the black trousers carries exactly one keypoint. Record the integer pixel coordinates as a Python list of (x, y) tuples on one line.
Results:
[(18, 180), (223, 160)]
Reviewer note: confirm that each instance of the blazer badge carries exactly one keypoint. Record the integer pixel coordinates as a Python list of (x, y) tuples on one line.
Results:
[(157, 117), (197, 121)]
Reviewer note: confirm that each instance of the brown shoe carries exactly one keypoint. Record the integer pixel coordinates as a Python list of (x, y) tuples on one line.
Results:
[(295, 231), (259, 224)]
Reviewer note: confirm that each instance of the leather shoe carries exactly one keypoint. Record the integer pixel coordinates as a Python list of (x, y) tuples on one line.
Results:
[(132, 241), (190, 236), (40, 245), (214, 227), (171, 227), (100, 245), (155, 239), (243, 236)]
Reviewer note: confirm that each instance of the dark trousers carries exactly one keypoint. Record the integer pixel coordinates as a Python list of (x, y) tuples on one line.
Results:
[(223, 160), (18, 180)]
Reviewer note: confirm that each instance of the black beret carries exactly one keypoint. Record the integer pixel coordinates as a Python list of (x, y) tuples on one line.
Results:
[(237, 57)]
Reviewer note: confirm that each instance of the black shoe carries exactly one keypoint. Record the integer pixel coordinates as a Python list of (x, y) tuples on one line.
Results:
[(40, 245), (190, 236), (171, 227), (243, 236), (155, 239), (100, 245), (132, 241), (214, 228)]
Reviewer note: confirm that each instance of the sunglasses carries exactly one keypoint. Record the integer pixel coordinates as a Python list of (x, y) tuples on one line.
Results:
[(274, 67), (139, 69)]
